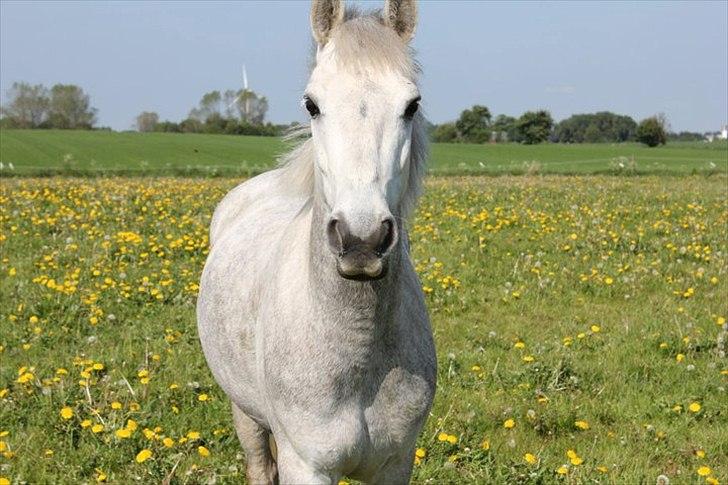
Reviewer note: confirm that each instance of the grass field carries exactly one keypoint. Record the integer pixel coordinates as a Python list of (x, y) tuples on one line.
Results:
[(580, 326), (97, 152)]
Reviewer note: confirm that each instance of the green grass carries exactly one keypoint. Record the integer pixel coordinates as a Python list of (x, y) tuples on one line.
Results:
[(554, 300), (43, 152)]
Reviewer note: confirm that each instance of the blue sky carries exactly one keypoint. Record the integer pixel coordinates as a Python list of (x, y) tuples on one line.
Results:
[(635, 58)]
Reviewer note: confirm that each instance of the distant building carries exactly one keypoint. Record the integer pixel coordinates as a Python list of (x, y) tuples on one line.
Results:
[(718, 135)]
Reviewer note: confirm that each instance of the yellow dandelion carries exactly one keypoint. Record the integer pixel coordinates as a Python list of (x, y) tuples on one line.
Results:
[(193, 435), (202, 397), (66, 412), (116, 405), (452, 439), (97, 428), (582, 424), (530, 458), (85, 423), (143, 455), (704, 471), (485, 445), (168, 442), (204, 452), (442, 437), (509, 423), (596, 328), (562, 470), (420, 453), (122, 433), (694, 407)]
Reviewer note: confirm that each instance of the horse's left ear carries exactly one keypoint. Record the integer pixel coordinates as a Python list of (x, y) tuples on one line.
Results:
[(401, 15)]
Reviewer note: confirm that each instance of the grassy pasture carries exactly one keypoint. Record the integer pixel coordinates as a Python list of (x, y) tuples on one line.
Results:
[(580, 326), (43, 152)]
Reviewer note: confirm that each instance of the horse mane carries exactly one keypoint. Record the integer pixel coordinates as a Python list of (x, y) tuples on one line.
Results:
[(361, 42)]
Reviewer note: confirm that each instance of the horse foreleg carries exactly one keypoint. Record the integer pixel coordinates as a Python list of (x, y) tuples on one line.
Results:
[(261, 464)]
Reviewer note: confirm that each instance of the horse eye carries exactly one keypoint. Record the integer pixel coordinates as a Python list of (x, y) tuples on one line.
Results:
[(312, 109), (412, 109)]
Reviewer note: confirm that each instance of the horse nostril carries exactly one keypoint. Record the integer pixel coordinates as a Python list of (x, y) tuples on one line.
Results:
[(388, 236), (336, 240)]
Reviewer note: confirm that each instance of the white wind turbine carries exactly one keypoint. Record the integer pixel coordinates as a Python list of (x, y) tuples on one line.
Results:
[(246, 107)]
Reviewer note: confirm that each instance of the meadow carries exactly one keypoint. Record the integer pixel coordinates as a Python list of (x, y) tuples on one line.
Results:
[(580, 324), (84, 153)]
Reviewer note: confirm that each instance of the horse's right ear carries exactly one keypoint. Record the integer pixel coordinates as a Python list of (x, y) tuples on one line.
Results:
[(325, 15)]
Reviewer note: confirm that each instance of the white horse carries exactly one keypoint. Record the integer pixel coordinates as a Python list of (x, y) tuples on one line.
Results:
[(310, 314)]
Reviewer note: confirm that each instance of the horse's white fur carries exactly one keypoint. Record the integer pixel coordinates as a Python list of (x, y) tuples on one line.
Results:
[(340, 372)]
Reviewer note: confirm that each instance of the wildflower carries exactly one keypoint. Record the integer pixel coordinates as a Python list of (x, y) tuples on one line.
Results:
[(562, 470), (608, 280), (143, 455), (574, 458), (520, 345), (204, 452), (131, 425), (602, 469), (529, 458), (193, 435), (704, 471), (116, 405), (485, 445), (720, 321), (85, 423), (509, 423), (420, 453), (452, 439), (442, 437), (168, 442), (97, 428), (202, 397), (596, 328), (680, 357), (66, 413), (123, 433), (583, 425), (700, 453), (528, 358), (694, 407)]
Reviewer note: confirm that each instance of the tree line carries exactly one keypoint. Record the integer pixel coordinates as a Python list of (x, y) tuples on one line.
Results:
[(63, 106), (243, 112), (477, 125), (226, 112)]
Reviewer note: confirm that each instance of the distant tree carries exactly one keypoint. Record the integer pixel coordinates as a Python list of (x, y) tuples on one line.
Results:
[(229, 103), (27, 106), (70, 108), (534, 126), (651, 131), (209, 105), (215, 124), (167, 127), (595, 127), (445, 133), (252, 107), (191, 125), (147, 121), (473, 126), (505, 128), (685, 136)]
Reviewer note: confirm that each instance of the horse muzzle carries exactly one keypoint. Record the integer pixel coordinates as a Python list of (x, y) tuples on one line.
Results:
[(361, 256)]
